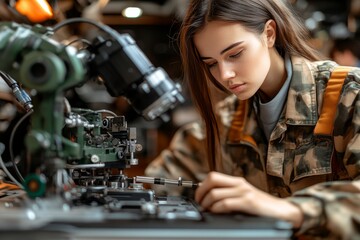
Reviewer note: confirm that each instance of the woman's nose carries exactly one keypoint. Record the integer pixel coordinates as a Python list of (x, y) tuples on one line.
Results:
[(226, 72)]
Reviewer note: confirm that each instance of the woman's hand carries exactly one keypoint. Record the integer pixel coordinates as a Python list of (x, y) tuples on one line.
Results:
[(220, 193)]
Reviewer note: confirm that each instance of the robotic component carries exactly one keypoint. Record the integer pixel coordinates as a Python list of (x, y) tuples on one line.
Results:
[(126, 71), (148, 89), (106, 143), (21, 96), (109, 133), (47, 67)]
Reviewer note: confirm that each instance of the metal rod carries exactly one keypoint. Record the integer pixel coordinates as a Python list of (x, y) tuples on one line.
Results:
[(166, 181)]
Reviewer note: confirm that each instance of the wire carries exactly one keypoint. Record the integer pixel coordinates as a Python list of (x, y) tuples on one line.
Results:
[(101, 26), (9, 80), (87, 42), (106, 111), (2, 148), (12, 158)]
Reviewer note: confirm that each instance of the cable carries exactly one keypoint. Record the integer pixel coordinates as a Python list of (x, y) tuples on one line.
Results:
[(101, 26), (80, 20), (11, 143), (79, 40), (106, 111), (2, 148)]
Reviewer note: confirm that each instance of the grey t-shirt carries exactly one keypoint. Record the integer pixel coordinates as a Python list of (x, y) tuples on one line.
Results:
[(270, 111)]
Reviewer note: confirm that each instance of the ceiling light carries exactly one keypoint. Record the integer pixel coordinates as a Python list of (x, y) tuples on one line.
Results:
[(132, 12)]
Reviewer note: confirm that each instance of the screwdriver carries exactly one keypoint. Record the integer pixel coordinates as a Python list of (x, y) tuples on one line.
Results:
[(166, 181)]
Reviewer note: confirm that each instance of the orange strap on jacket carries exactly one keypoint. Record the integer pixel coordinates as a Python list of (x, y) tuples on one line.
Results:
[(325, 124), (236, 131), (238, 122)]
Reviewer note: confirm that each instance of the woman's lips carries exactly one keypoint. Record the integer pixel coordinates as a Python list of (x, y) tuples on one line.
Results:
[(237, 88)]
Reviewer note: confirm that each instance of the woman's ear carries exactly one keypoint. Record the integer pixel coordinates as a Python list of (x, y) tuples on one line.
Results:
[(270, 32)]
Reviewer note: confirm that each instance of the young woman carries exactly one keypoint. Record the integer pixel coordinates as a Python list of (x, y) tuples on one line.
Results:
[(275, 160)]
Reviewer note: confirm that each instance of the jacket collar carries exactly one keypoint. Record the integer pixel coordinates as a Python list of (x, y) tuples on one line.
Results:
[(301, 106)]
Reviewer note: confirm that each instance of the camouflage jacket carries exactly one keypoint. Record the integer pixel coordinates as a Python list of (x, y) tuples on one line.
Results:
[(318, 173)]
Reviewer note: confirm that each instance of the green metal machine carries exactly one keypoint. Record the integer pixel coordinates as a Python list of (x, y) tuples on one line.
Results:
[(83, 141)]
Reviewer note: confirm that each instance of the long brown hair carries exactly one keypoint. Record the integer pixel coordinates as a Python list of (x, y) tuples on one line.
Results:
[(291, 37)]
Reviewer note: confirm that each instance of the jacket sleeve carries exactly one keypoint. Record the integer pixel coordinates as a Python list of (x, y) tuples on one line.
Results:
[(185, 158), (330, 208), (335, 206)]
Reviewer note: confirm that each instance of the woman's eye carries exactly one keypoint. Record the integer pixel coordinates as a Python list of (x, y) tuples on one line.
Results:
[(210, 65), (235, 55)]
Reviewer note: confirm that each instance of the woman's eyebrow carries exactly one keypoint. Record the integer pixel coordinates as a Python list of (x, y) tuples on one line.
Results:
[(225, 50), (231, 46)]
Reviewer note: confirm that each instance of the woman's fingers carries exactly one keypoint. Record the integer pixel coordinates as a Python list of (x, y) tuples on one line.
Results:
[(216, 180), (223, 193), (228, 205), (219, 194)]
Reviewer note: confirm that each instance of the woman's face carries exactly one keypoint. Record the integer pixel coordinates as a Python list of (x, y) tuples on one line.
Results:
[(238, 59)]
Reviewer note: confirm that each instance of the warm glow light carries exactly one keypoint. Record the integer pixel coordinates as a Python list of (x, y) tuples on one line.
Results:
[(132, 12), (34, 10)]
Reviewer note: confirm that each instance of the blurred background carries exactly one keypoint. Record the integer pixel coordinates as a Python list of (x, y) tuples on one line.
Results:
[(334, 26)]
